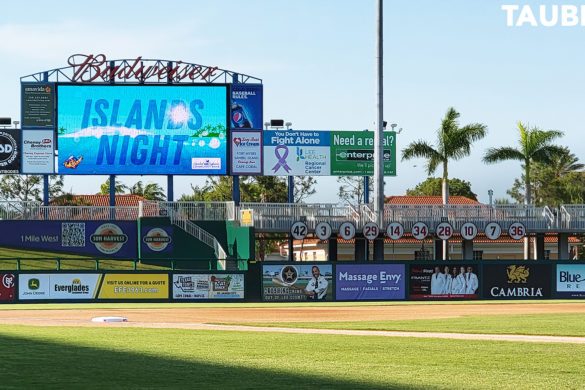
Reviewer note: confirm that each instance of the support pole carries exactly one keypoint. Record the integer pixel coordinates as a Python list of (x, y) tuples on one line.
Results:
[(291, 199), (379, 135), (170, 192)]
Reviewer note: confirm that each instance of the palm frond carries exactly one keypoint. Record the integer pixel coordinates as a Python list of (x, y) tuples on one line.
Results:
[(494, 155)]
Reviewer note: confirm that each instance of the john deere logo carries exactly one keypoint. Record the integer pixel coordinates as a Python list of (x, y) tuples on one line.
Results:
[(289, 275), (33, 284), (108, 238), (518, 274), (157, 239)]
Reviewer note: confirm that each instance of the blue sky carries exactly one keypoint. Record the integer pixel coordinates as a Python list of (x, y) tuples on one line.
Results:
[(317, 63)]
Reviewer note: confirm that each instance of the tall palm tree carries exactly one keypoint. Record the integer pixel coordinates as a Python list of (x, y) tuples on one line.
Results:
[(535, 146), (453, 143)]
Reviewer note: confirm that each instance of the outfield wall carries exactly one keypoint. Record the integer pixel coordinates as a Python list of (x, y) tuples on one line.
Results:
[(295, 282)]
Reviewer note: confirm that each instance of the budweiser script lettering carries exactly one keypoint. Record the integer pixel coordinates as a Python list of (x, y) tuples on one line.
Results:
[(88, 68)]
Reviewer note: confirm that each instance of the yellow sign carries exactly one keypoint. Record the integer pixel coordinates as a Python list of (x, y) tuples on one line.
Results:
[(246, 218), (135, 286)]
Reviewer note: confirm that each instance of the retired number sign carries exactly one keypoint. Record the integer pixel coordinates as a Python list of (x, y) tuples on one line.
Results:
[(444, 230), (420, 231), (468, 231), (323, 231), (395, 230), (347, 231), (516, 231), (493, 231), (371, 231), (298, 230)]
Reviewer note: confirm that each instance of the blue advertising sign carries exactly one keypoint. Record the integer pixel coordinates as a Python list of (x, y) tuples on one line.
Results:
[(97, 238), (571, 280), (370, 281), (296, 152), (157, 239), (246, 106), (137, 129)]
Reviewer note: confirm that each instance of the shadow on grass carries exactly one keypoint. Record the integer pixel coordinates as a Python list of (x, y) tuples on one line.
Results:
[(40, 364)]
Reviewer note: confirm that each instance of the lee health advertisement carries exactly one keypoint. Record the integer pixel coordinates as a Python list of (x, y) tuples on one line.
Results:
[(296, 153), (142, 129)]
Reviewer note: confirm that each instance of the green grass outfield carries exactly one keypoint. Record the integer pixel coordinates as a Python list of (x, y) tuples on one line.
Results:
[(138, 358), (141, 358)]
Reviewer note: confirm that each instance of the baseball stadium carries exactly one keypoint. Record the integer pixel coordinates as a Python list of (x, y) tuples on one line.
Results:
[(245, 285)]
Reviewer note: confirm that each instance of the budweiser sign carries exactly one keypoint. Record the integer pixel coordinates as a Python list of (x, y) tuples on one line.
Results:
[(88, 68)]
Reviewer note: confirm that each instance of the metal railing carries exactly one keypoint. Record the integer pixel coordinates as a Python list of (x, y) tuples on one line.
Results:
[(572, 217), (203, 211), (278, 217), (184, 223), (10, 210)]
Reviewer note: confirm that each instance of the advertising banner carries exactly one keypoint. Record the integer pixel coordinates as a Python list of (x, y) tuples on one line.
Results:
[(571, 280), (38, 105), (97, 238), (10, 151), (58, 286), (308, 282), (135, 286), (296, 153), (246, 106), (371, 281), (522, 280), (352, 153), (142, 130), (208, 286), (37, 151), (454, 281), (7, 287), (246, 148), (157, 239)]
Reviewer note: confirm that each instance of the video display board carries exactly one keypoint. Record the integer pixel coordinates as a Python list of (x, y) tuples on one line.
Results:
[(138, 129)]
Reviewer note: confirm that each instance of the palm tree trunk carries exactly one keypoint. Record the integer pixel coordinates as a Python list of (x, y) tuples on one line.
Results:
[(527, 202)]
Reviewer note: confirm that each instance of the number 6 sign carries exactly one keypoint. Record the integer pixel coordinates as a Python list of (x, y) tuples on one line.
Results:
[(347, 230)]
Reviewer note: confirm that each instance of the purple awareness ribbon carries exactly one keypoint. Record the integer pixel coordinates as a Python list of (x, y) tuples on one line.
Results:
[(281, 159)]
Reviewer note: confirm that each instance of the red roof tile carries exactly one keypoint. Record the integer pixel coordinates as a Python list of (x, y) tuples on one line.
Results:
[(104, 200), (405, 199)]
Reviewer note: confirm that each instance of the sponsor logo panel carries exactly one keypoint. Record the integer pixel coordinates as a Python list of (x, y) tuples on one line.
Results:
[(58, 286), (7, 287), (293, 283), (208, 286), (135, 286), (447, 281), (517, 281), (570, 280), (363, 282)]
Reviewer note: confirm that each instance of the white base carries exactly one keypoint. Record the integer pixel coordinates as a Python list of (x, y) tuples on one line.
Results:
[(109, 319)]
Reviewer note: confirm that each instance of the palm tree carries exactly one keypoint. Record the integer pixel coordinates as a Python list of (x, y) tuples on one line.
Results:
[(120, 188), (535, 147), (453, 143), (151, 191)]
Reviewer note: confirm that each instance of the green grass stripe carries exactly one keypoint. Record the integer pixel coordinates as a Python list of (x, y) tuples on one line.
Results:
[(92, 358)]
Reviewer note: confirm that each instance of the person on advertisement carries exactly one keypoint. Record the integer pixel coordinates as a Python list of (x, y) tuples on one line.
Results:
[(455, 282), (437, 282), (471, 281), (448, 280), (317, 287), (461, 283)]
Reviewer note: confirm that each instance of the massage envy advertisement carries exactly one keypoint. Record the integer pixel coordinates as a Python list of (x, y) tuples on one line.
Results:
[(365, 282)]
